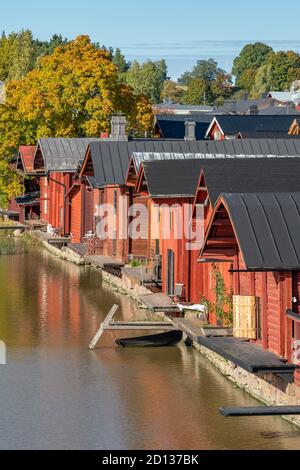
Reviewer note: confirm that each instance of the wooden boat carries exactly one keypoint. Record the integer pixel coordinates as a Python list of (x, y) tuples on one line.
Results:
[(170, 338)]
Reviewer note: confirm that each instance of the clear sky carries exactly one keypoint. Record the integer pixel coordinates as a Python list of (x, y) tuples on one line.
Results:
[(156, 28)]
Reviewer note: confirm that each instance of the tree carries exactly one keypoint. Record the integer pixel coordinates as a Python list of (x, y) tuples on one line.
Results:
[(251, 58), (72, 93), (206, 70), (120, 61), (283, 69), (148, 79), (206, 83), (20, 52), (198, 92), (10, 183), (172, 92)]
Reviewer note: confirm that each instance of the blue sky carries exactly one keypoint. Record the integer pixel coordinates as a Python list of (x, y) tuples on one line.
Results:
[(156, 28)]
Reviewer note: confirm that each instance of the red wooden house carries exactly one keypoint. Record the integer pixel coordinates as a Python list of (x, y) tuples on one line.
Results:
[(256, 236), (105, 169), (235, 175), (27, 206), (56, 162), (175, 183)]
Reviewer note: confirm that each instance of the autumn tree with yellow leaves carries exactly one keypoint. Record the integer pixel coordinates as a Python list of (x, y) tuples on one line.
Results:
[(71, 93)]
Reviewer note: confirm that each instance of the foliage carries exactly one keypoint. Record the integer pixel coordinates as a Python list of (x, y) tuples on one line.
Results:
[(282, 68), (20, 52), (147, 79), (198, 92), (72, 93), (248, 62), (120, 62), (206, 83), (224, 300), (8, 246), (172, 92), (223, 306), (10, 183)]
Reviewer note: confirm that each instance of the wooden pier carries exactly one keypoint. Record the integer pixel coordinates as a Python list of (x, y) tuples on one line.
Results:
[(110, 325), (14, 227)]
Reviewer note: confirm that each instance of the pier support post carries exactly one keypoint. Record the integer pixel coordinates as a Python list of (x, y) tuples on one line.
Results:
[(101, 330)]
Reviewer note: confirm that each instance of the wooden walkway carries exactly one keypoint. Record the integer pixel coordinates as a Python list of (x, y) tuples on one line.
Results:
[(248, 356), (13, 227), (159, 303), (103, 261)]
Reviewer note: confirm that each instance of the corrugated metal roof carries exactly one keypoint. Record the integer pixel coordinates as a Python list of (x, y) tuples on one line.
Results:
[(111, 159), (176, 178), (267, 227), (180, 177), (63, 154), (251, 176), (279, 110)]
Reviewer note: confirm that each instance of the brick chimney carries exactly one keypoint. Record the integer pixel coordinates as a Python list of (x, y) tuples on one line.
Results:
[(118, 128), (190, 130), (253, 110)]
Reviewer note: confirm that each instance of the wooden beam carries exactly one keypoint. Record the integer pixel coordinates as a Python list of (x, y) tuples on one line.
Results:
[(221, 241), (261, 411), (222, 222), (103, 325)]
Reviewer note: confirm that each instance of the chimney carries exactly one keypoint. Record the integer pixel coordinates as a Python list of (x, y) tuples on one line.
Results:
[(245, 96), (253, 111), (118, 128), (190, 130)]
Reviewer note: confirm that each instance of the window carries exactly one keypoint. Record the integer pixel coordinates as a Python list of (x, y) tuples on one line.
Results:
[(116, 200), (218, 135)]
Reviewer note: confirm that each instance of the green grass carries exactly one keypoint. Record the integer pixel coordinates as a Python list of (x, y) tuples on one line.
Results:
[(8, 246)]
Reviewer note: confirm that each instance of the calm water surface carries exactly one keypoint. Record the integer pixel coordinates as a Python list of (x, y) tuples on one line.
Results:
[(56, 394)]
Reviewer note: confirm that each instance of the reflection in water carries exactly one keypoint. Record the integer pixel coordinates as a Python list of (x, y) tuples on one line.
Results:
[(57, 394)]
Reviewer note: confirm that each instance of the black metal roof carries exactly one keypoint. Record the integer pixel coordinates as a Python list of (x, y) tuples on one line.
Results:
[(267, 226), (263, 175), (110, 159), (173, 126), (233, 125), (176, 178), (267, 135)]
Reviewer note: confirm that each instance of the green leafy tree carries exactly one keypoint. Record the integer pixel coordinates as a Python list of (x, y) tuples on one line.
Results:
[(147, 79), (206, 83), (120, 61), (172, 92), (250, 59), (198, 92)]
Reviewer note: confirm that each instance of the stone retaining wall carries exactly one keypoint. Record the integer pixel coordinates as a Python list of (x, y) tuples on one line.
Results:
[(257, 386)]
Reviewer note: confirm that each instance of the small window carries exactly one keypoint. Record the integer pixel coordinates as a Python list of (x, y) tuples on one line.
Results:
[(218, 135), (116, 200)]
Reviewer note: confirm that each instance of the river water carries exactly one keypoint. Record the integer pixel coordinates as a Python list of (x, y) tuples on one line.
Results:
[(56, 394)]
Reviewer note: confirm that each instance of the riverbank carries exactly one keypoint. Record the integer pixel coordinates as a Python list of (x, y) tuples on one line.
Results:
[(269, 388)]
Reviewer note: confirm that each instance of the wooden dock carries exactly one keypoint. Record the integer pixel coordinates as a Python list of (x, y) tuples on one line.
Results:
[(13, 227), (260, 411), (110, 325)]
